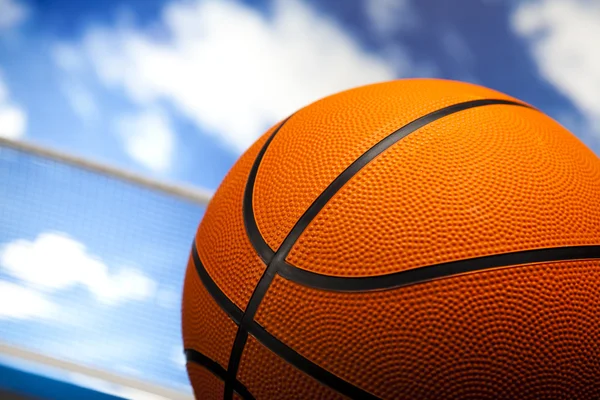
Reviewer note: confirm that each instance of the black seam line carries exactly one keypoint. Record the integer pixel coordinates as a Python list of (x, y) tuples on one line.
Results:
[(308, 367), (264, 251), (436, 271), (261, 247), (216, 369), (242, 333), (277, 347), (235, 358), (234, 312), (369, 155), (278, 258)]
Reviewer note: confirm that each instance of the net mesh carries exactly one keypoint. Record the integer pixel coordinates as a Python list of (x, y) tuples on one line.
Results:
[(92, 267)]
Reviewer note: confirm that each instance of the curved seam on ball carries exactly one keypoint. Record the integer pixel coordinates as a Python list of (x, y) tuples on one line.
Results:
[(276, 260), (434, 271), (217, 370)]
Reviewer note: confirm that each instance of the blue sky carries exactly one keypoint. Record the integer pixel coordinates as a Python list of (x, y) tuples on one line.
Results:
[(171, 88), (176, 90)]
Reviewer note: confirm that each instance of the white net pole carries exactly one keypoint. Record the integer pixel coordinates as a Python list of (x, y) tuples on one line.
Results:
[(189, 193), (23, 354)]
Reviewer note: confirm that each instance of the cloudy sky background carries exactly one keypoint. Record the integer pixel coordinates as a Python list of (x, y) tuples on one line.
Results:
[(176, 90)]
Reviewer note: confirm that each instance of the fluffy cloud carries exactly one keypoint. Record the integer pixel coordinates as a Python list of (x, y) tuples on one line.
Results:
[(456, 47), (82, 101), (67, 58), (21, 302), (229, 68), (148, 138), (13, 120), (390, 16), (79, 96), (55, 261), (563, 36), (12, 13)]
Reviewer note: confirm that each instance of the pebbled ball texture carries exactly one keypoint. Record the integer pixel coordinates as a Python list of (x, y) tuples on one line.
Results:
[(321, 140), (206, 385), (505, 333), (514, 180), (485, 181), (265, 374)]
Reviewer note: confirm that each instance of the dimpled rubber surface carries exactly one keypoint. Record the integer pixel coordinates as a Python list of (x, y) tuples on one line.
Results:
[(206, 327), (487, 180), (221, 240), (206, 385), (320, 141), (523, 332), (267, 376), (483, 181)]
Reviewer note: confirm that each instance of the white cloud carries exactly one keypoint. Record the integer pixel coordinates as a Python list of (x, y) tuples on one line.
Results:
[(55, 261), (391, 16), (81, 100), (456, 47), (564, 37), (12, 13), (13, 120), (67, 58), (80, 97), (19, 302), (229, 68), (148, 138)]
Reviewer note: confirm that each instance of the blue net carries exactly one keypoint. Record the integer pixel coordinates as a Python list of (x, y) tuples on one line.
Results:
[(92, 267)]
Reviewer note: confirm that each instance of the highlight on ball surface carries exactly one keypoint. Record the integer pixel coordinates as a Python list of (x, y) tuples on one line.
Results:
[(413, 239)]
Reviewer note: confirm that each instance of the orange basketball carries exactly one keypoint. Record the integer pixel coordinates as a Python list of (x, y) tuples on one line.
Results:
[(414, 239)]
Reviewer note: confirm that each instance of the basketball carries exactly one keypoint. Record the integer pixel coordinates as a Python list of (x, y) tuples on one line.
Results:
[(412, 239)]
